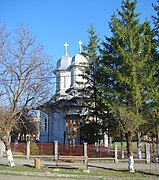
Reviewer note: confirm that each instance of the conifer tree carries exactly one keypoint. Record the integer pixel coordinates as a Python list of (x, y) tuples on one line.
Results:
[(156, 19), (91, 52), (127, 68), (155, 94)]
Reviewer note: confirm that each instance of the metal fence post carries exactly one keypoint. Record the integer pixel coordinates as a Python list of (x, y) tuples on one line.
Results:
[(56, 150), (28, 149)]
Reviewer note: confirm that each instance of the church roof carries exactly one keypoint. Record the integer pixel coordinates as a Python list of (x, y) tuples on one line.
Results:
[(79, 59), (63, 63)]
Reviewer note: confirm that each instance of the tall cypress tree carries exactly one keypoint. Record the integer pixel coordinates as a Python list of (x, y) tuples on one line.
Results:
[(127, 67)]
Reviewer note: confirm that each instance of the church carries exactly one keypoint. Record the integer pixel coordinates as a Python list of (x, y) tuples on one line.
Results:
[(62, 116)]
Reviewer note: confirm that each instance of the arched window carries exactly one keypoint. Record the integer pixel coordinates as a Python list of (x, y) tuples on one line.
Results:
[(64, 81), (45, 124)]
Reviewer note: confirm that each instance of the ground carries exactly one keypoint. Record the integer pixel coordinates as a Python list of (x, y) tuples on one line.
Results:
[(109, 169)]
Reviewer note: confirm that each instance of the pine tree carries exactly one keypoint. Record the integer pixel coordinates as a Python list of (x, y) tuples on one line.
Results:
[(91, 52), (127, 68), (156, 19), (154, 105)]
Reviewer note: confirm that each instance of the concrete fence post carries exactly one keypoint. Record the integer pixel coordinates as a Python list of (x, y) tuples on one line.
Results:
[(122, 150), (147, 153), (56, 150), (28, 149), (85, 153), (85, 149), (116, 153)]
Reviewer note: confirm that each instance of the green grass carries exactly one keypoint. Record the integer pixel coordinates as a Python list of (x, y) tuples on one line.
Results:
[(93, 172)]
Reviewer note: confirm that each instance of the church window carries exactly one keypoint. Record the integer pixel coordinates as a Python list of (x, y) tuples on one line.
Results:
[(58, 83), (72, 77), (45, 124), (64, 81)]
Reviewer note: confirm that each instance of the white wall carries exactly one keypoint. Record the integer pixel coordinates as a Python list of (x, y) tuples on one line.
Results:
[(43, 127), (58, 127)]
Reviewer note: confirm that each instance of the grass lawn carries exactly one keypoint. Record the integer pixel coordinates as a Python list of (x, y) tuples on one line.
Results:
[(93, 172)]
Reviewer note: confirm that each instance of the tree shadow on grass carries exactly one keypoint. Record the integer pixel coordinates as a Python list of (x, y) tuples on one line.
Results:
[(27, 165), (4, 165), (122, 170)]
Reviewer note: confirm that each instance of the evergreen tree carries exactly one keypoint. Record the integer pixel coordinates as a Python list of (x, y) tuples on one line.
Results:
[(91, 52), (154, 104), (127, 68), (156, 19)]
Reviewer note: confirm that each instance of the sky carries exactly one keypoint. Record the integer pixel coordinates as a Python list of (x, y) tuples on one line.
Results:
[(54, 22)]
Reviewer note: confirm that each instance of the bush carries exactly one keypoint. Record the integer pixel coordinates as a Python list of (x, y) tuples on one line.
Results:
[(34, 150)]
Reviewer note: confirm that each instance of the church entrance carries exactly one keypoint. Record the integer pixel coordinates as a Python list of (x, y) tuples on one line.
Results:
[(72, 134)]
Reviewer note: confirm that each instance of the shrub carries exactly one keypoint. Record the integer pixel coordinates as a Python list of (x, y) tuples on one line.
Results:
[(34, 150)]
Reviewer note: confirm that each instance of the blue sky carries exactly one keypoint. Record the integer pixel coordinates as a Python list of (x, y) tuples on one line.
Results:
[(54, 22)]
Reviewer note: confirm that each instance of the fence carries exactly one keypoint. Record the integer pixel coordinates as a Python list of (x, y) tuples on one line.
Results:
[(93, 151)]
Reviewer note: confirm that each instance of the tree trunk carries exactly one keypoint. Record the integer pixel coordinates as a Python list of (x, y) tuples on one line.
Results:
[(2, 148), (128, 136), (139, 146), (157, 143), (157, 147), (6, 140), (122, 147)]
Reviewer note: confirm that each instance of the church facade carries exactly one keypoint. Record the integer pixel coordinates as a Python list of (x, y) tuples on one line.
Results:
[(62, 116)]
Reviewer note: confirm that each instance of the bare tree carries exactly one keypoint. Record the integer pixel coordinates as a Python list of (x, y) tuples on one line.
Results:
[(27, 127), (25, 80)]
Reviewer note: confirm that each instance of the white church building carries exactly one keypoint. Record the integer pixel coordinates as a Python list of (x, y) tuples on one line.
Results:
[(62, 115)]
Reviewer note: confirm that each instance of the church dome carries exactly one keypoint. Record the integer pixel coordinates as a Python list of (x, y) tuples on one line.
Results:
[(79, 60), (63, 63)]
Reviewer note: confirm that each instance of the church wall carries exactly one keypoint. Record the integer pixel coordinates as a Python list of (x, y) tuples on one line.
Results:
[(43, 127), (76, 76), (57, 127), (63, 82)]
